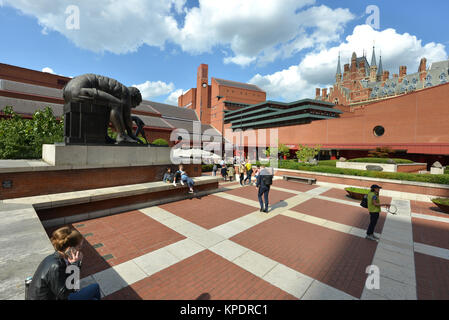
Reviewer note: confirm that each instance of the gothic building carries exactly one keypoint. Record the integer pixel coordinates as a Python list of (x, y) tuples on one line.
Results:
[(363, 83)]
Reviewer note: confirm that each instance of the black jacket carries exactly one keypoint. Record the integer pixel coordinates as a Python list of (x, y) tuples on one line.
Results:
[(49, 280)]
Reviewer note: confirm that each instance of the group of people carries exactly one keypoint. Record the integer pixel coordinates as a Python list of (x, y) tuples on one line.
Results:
[(180, 176)]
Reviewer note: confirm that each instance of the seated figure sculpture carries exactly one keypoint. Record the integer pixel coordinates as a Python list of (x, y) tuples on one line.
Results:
[(120, 98)]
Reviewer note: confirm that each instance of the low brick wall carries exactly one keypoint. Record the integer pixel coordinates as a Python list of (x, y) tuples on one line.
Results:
[(401, 186), (35, 183)]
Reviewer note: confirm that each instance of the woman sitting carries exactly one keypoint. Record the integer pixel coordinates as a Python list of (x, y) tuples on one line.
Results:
[(50, 279)]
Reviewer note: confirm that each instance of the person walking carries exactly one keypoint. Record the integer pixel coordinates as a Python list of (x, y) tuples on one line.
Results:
[(224, 172), (231, 172), (263, 183), (249, 172), (374, 206), (214, 169), (242, 172)]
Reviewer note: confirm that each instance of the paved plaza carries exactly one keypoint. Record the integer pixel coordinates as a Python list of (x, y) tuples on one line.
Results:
[(311, 245)]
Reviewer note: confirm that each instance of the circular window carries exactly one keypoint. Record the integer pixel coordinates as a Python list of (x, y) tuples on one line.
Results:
[(379, 131)]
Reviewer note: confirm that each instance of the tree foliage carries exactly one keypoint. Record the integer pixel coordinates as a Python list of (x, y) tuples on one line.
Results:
[(306, 153), (23, 138), (380, 152)]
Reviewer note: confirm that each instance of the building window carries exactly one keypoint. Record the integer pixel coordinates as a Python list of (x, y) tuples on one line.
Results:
[(379, 131)]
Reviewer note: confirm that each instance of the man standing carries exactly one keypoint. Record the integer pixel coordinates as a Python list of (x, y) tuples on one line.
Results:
[(263, 182), (374, 206)]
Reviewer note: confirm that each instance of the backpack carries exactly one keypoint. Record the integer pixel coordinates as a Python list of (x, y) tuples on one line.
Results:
[(267, 180), (364, 202)]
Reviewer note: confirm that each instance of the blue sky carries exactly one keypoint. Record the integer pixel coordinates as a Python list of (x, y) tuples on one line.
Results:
[(287, 47)]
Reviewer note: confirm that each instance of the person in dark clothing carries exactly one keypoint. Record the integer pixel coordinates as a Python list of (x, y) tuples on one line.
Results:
[(263, 182), (140, 124), (50, 279), (168, 176), (224, 172)]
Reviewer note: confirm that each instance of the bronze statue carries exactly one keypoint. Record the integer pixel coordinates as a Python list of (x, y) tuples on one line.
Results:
[(120, 99)]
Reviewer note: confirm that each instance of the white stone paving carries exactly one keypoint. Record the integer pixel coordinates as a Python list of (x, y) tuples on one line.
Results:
[(394, 254)]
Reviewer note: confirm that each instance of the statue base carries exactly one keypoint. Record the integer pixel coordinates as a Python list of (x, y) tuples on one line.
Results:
[(90, 156)]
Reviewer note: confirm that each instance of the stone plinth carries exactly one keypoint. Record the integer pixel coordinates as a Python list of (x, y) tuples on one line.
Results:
[(91, 156)]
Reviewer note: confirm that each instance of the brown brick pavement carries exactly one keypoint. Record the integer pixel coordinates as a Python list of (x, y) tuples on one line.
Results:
[(250, 192), (202, 273), (427, 208), (208, 212), (297, 186), (432, 277), (125, 236), (429, 232), (335, 258), (338, 212), (343, 195)]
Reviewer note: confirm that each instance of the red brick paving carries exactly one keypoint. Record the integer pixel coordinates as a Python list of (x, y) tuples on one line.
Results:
[(297, 186), (432, 277), (427, 208), (250, 192), (429, 232), (208, 212), (335, 258), (125, 236), (202, 273), (338, 212)]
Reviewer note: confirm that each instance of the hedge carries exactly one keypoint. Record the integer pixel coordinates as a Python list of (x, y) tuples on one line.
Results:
[(357, 190), (160, 142), (380, 160), (429, 178), (443, 201)]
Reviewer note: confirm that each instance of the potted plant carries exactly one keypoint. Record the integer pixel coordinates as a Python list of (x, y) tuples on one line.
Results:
[(442, 203), (356, 193)]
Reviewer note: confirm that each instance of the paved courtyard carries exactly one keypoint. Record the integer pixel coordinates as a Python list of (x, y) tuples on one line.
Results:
[(311, 245)]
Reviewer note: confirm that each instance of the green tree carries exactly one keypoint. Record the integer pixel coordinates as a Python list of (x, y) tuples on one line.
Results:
[(306, 153), (284, 150), (23, 138), (380, 152)]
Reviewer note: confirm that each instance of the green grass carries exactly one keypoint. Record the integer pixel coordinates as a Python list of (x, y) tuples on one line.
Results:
[(379, 160), (443, 201), (357, 190)]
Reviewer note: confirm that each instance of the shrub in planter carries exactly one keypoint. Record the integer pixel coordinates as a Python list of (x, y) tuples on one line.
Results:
[(442, 203), (356, 193)]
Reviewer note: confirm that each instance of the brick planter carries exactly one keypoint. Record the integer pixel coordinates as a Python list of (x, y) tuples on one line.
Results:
[(355, 195)]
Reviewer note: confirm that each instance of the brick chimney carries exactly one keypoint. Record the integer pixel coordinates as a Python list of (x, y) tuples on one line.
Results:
[(385, 75), (402, 73), (395, 76), (318, 93), (422, 69), (325, 93)]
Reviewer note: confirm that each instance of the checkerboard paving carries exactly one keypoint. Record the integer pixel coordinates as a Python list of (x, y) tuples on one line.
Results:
[(311, 245)]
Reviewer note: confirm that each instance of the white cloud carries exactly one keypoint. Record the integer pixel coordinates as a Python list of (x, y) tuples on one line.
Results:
[(150, 89), (264, 30), (253, 30), (173, 97), (318, 68), (47, 69)]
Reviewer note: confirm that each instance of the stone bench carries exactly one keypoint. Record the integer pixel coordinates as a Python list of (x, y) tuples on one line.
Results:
[(297, 178)]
